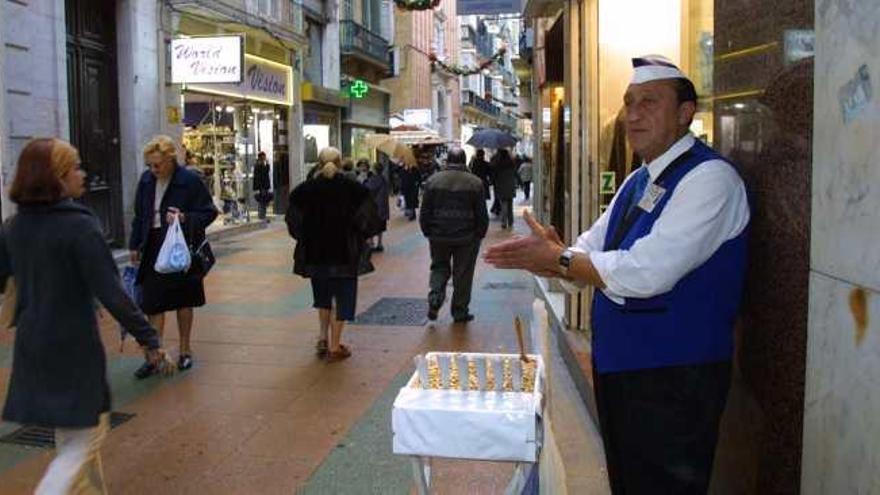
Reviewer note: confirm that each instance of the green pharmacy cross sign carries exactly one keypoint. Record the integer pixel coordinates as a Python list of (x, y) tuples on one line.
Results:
[(359, 89)]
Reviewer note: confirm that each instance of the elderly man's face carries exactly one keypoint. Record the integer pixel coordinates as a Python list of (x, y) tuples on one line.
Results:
[(654, 118)]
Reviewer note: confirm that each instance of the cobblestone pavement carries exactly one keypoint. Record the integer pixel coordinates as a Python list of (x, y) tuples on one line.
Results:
[(259, 413)]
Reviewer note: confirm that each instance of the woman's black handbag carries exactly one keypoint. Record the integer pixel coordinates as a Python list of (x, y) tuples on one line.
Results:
[(203, 258)]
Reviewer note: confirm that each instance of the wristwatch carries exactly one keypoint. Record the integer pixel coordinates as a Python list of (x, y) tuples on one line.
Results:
[(565, 261)]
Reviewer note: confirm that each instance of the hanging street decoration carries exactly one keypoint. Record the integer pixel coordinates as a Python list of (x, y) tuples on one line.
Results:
[(458, 70), (416, 4), (358, 89)]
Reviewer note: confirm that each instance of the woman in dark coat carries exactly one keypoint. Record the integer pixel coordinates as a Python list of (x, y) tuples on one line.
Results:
[(504, 172), (262, 185), (55, 251), (165, 191), (331, 218), (378, 188)]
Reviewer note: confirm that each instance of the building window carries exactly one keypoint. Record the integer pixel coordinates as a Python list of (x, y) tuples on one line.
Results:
[(268, 9), (438, 44), (314, 67)]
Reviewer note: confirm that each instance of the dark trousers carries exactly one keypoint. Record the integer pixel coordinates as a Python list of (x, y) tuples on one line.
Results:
[(457, 260), (506, 211), (660, 427), (527, 188)]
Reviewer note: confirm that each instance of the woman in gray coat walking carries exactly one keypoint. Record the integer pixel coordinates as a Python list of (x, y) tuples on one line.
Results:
[(57, 255)]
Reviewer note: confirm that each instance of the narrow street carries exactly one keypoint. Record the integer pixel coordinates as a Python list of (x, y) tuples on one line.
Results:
[(259, 412)]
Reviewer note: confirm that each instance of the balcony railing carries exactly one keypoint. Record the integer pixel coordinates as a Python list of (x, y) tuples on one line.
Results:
[(355, 39), (471, 99)]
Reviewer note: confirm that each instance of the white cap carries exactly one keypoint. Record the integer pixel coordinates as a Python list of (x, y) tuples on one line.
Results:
[(654, 67)]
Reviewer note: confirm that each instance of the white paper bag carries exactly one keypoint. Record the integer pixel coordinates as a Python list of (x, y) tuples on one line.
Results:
[(174, 255)]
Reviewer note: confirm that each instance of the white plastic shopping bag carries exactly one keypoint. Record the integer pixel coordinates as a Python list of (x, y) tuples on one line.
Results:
[(174, 255)]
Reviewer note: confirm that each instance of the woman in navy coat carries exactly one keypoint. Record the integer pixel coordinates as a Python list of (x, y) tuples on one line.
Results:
[(166, 191)]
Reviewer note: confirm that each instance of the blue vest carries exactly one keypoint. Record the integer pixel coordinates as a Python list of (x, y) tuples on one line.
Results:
[(692, 323)]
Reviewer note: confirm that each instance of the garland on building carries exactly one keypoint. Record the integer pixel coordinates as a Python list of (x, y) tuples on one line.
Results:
[(416, 4), (458, 70)]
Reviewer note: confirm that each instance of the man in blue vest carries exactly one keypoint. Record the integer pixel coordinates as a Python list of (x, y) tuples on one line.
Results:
[(668, 259)]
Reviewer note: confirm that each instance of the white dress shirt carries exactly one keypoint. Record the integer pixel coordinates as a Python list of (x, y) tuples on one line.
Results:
[(161, 187), (707, 208)]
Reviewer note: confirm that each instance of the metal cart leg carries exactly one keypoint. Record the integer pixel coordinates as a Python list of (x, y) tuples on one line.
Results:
[(518, 480), (422, 474)]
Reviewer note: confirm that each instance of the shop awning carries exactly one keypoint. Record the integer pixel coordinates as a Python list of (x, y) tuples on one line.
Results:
[(417, 135)]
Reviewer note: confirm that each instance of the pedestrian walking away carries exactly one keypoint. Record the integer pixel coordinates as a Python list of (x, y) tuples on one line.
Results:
[(262, 185), (378, 187), (525, 176), (167, 192), (55, 251), (480, 167), (454, 219), (331, 217), (504, 173), (674, 232), (410, 182)]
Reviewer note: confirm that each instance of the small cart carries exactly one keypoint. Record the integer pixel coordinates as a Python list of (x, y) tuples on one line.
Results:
[(475, 419)]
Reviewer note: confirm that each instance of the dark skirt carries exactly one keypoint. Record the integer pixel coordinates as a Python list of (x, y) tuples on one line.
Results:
[(167, 292)]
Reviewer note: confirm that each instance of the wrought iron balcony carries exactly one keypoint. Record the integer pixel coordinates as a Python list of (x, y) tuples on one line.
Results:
[(356, 40), (471, 99)]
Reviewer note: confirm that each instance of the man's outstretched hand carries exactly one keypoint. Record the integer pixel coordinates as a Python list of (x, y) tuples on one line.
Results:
[(537, 253)]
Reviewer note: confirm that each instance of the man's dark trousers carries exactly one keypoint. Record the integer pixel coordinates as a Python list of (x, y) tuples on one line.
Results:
[(457, 260), (660, 427)]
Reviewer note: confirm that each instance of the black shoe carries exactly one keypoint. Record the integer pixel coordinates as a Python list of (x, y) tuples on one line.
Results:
[(464, 319), (184, 362), (432, 313), (145, 371)]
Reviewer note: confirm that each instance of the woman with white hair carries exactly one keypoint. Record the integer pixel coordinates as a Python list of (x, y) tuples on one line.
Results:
[(167, 191), (331, 218)]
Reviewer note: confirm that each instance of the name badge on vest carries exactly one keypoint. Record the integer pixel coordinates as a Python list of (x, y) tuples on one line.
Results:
[(652, 196)]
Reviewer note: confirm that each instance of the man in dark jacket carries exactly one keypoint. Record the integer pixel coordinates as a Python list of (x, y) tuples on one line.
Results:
[(454, 219)]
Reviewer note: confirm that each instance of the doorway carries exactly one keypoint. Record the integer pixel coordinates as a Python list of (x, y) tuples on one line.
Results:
[(94, 107)]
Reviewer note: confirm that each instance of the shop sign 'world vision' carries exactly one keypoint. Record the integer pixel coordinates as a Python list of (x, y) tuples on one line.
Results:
[(264, 80), (206, 59)]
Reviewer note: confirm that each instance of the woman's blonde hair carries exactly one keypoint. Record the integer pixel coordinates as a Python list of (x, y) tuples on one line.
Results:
[(163, 145), (329, 159)]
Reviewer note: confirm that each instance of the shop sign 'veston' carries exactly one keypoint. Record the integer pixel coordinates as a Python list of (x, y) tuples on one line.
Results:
[(206, 59), (264, 80)]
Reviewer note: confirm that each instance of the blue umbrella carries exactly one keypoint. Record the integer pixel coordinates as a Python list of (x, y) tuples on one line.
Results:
[(492, 138)]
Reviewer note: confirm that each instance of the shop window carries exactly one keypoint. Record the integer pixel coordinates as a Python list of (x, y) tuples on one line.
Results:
[(681, 30)]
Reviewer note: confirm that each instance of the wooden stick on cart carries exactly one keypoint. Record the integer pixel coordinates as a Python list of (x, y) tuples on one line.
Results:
[(517, 322)]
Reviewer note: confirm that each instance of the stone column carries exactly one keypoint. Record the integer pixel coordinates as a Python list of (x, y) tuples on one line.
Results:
[(140, 72)]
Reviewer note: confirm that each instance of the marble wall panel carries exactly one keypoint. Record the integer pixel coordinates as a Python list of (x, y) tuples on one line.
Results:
[(763, 123), (846, 180), (842, 411)]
